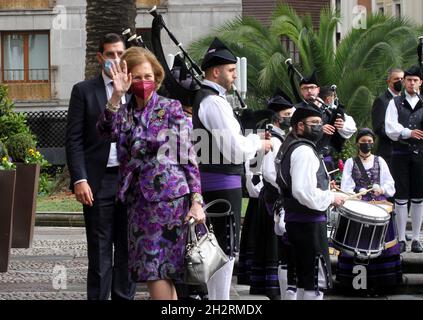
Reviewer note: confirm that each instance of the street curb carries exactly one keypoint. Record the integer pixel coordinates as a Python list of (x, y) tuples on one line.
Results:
[(59, 219)]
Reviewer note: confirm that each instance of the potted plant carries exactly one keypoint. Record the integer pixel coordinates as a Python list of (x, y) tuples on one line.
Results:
[(7, 189), (28, 160)]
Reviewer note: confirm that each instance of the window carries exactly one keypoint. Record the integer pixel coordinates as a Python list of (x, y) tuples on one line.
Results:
[(398, 10), (25, 56), (25, 4), (291, 49)]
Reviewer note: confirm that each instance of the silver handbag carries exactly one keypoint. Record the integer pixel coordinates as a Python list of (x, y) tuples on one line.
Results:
[(203, 255)]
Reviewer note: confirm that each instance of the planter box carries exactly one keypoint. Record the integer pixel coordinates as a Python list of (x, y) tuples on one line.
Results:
[(26, 189), (7, 189)]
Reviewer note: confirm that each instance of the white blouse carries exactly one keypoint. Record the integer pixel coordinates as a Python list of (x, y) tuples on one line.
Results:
[(386, 181)]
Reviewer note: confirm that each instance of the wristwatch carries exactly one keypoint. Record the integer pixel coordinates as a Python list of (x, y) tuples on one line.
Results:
[(197, 197)]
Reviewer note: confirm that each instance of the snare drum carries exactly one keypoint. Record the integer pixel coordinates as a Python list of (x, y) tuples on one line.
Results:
[(332, 215), (391, 238), (388, 206), (360, 229)]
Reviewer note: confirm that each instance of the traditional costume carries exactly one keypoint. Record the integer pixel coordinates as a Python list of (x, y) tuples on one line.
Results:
[(404, 114), (304, 183), (384, 270), (221, 161)]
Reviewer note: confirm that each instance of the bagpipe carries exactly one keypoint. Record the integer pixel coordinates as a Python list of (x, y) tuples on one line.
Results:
[(183, 81)]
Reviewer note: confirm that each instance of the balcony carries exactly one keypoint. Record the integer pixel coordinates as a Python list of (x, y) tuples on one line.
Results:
[(148, 3), (27, 84), (26, 4)]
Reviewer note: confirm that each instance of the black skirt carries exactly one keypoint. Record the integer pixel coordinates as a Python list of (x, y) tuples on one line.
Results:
[(264, 271), (247, 242), (227, 228), (310, 245)]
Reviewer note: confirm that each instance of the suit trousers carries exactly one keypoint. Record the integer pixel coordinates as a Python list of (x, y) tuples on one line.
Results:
[(106, 226)]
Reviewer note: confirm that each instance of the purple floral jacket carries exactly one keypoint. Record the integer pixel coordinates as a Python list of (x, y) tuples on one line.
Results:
[(154, 147)]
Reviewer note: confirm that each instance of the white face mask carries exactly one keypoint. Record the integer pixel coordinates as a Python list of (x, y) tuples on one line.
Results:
[(107, 65)]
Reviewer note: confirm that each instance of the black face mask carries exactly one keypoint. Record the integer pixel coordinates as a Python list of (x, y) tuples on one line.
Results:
[(366, 147), (313, 132), (398, 86), (285, 123)]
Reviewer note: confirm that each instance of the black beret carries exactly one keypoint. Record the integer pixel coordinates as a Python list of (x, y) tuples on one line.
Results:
[(413, 71), (364, 132), (305, 111), (280, 101), (217, 54)]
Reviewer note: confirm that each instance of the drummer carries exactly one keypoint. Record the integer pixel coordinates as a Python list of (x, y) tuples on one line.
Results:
[(367, 171), (304, 183)]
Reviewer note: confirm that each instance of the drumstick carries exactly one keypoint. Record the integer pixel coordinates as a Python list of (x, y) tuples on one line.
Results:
[(362, 193), (333, 171), (340, 190)]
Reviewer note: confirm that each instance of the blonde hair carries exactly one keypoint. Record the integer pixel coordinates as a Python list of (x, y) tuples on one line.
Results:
[(135, 56)]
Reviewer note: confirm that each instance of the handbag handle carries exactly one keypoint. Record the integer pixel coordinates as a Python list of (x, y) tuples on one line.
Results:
[(192, 237), (229, 212)]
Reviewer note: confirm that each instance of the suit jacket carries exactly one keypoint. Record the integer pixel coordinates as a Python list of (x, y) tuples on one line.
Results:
[(154, 149), (378, 122), (87, 152)]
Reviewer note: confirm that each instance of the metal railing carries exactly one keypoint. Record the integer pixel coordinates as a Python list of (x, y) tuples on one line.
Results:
[(26, 75)]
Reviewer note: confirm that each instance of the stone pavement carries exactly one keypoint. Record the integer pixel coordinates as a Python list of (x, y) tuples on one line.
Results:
[(55, 269)]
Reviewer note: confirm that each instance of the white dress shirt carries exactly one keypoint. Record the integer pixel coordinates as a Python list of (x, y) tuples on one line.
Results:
[(269, 169), (349, 127), (304, 166), (386, 181), (394, 130), (217, 116), (253, 190)]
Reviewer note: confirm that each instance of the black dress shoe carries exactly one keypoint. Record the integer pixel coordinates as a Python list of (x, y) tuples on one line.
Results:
[(403, 246), (408, 238), (416, 246)]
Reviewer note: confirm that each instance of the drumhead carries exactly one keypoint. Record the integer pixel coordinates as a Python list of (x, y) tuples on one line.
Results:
[(366, 210)]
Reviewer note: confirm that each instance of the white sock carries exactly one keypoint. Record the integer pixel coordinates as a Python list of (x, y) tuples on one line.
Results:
[(283, 280), (311, 295), (300, 293), (290, 295), (416, 212), (219, 286), (401, 211)]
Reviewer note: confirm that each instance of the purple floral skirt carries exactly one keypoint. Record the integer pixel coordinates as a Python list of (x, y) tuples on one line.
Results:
[(157, 238)]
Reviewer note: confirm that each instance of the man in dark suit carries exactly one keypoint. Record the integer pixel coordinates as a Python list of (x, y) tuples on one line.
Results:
[(93, 168), (380, 104)]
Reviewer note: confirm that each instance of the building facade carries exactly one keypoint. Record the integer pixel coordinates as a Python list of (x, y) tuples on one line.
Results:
[(350, 12), (43, 42)]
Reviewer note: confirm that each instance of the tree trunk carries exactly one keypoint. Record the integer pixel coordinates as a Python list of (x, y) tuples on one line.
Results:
[(105, 16)]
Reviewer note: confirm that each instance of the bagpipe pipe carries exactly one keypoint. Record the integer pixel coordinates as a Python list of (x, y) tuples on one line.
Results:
[(183, 81), (332, 112), (132, 39)]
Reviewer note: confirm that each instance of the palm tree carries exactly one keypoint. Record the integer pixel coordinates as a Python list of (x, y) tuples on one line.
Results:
[(105, 16), (358, 65)]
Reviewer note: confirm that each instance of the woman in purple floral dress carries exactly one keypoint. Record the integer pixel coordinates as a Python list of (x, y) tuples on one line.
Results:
[(159, 177)]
